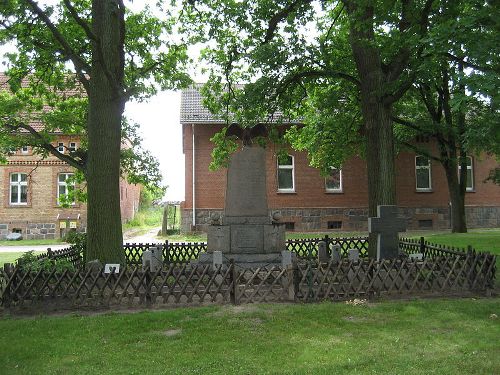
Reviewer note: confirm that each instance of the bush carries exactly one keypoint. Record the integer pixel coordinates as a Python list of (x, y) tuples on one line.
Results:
[(28, 261)]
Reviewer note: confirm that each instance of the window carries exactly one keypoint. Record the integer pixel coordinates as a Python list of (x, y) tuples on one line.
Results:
[(425, 224), (72, 146), (333, 182), (290, 226), (286, 178), (423, 173), (60, 147), (469, 185), (335, 224), (18, 188), (63, 186), (24, 149)]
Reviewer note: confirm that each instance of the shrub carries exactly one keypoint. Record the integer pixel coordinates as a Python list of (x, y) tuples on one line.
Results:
[(28, 261)]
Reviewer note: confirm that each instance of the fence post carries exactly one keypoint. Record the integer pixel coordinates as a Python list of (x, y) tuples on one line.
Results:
[(291, 281), (166, 256), (422, 246), (233, 293), (473, 274), (7, 267), (49, 253), (147, 279)]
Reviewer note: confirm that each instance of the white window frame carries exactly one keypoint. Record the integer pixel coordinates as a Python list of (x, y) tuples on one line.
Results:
[(334, 190), (60, 147), (429, 169), (65, 185), (471, 169), (24, 149), (18, 183), (72, 146), (286, 167)]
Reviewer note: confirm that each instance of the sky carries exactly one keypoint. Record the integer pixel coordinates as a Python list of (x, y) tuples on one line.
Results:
[(159, 120)]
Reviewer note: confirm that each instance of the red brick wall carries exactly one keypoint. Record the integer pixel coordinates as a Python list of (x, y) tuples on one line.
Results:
[(310, 186), (129, 200), (42, 210)]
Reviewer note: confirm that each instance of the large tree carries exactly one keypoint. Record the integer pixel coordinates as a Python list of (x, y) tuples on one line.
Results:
[(297, 56), (115, 55), (455, 97)]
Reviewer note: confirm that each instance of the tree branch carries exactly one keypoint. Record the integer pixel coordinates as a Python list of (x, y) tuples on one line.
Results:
[(467, 64), (408, 124), (421, 151), (80, 65), (47, 146), (280, 16), (80, 21)]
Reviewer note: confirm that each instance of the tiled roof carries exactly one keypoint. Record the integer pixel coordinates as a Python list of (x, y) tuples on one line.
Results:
[(193, 111), (36, 123)]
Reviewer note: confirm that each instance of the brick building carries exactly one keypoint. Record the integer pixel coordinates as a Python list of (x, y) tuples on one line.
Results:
[(30, 187), (309, 202)]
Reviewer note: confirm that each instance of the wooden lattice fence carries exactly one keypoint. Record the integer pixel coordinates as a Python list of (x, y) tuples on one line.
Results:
[(132, 286), (305, 281), (308, 248), (346, 279)]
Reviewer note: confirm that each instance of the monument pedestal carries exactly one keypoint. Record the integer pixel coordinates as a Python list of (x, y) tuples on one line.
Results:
[(246, 233)]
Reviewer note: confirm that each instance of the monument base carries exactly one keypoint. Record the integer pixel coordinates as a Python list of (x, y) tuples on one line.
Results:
[(248, 260)]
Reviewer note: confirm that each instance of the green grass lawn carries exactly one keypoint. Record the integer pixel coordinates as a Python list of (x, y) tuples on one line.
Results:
[(396, 337), (481, 240), (31, 242)]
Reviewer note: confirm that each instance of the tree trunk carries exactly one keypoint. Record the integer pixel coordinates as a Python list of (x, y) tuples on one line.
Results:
[(376, 115), (457, 198), (106, 105)]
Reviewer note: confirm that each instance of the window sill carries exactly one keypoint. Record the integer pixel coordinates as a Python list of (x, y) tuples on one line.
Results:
[(424, 191), (334, 192), (18, 205), (286, 192), (470, 190)]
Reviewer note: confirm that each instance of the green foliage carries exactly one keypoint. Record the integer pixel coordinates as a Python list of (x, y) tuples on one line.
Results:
[(146, 217), (28, 261), (223, 148), (139, 166)]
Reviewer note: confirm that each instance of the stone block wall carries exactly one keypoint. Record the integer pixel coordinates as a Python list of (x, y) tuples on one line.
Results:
[(356, 219)]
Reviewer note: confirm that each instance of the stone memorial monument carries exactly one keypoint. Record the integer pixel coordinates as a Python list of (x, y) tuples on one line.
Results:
[(387, 225), (246, 232)]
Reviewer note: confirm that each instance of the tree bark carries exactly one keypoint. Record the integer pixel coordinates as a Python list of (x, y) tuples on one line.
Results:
[(457, 198), (376, 114), (106, 106)]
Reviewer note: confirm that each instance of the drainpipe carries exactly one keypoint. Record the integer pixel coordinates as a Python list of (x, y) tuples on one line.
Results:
[(194, 180)]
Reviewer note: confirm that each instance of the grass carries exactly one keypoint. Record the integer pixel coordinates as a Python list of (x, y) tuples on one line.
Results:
[(482, 240), (146, 218), (395, 337), (56, 241), (479, 239)]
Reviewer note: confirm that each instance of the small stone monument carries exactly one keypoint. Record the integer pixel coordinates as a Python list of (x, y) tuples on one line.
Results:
[(323, 256), (336, 257), (246, 233), (353, 255), (387, 225), (152, 259)]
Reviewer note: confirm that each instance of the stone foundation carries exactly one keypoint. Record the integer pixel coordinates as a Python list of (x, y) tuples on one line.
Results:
[(356, 219), (33, 231)]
